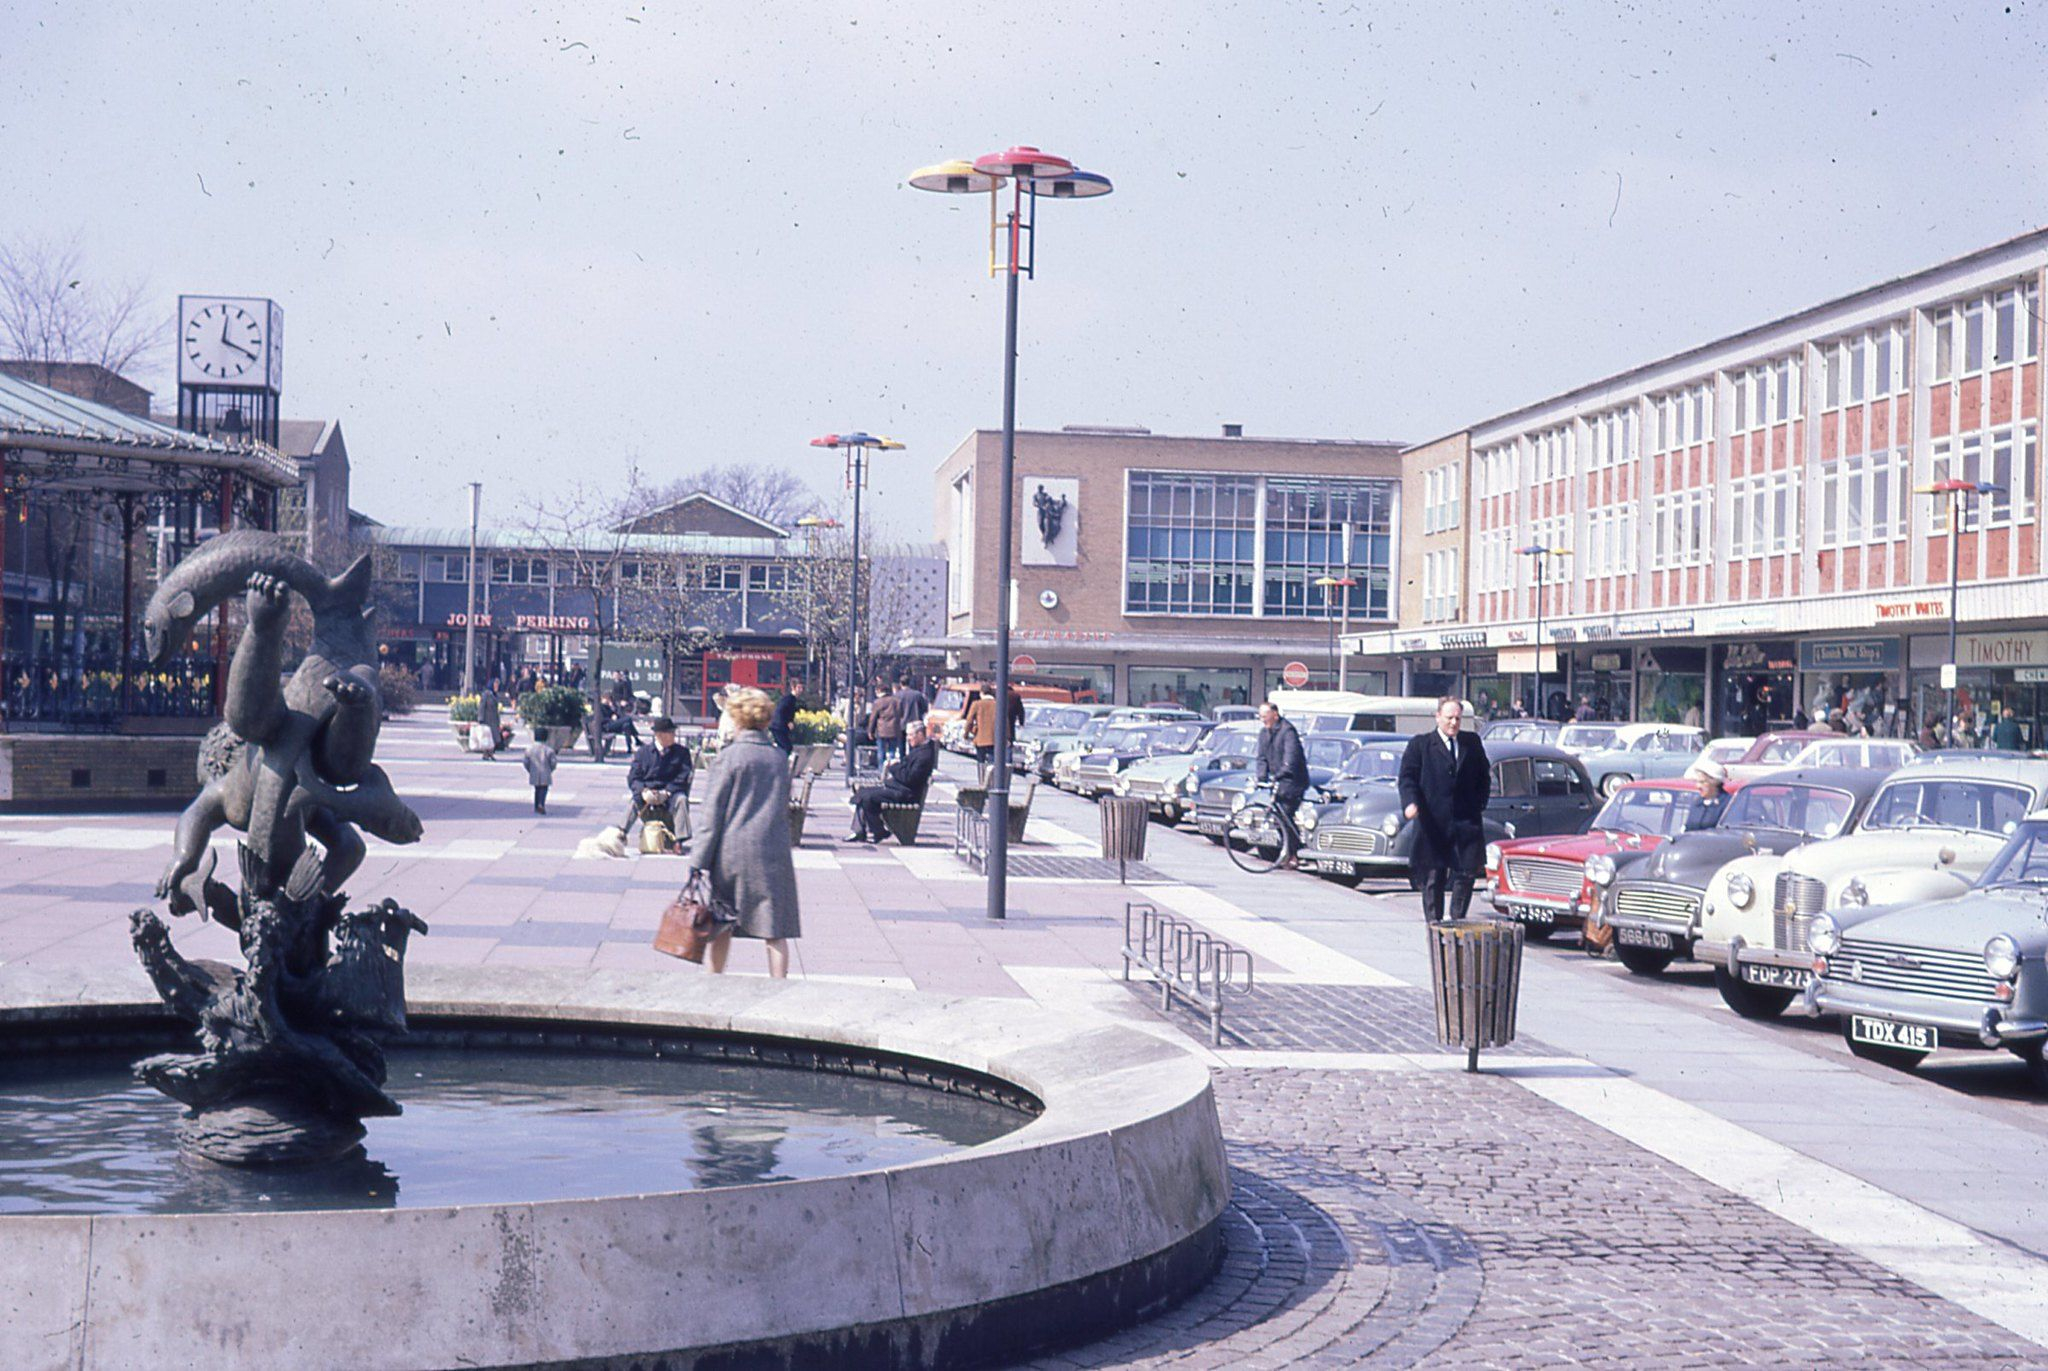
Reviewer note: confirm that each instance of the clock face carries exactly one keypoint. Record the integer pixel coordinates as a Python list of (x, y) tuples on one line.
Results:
[(224, 342)]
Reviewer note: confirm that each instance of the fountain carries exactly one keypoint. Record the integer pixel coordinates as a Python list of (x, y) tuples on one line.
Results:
[(597, 1168)]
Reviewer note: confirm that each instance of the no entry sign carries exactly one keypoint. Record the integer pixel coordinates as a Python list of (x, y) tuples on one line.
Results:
[(1023, 664), (1295, 674)]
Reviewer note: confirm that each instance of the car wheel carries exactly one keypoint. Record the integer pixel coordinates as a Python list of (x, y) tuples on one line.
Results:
[(1751, 1001), (1533, 932), (1170, 815), (1898, 1058), (1644, 961), (1216, 838), (1612, 782), (1349, 879), (2037, 1067)]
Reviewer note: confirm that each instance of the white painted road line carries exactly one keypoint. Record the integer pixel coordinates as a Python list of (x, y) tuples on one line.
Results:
[(1307, 958), (2001, 1283)]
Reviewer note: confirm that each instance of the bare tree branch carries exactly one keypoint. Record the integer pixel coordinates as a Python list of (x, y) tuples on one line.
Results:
[(772, 493), (53, 311)]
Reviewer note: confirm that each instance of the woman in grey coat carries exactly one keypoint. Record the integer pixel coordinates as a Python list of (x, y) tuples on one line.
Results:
[(743, 835)]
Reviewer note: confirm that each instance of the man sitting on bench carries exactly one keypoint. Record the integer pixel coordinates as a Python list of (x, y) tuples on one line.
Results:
[(904, 784), (659, 783)]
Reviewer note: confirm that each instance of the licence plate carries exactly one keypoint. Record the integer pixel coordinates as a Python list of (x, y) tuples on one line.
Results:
[(1643, 937), (1332, 864), (1532, 913), (1884, 1033), (1781, 977)]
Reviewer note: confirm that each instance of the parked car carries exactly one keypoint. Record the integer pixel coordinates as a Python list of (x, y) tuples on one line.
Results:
[(1969, 971), (1773, 752), (1520, 731), (1879, 754), (1155, 777), (1036, 746), (1541, 882), (1235, 714), (1537, 789), (1579, 739), (1726, 751), (1928, 832), (1095, 771), (1639, 752), (1654, 906), (1231, 747), (1217, 800)]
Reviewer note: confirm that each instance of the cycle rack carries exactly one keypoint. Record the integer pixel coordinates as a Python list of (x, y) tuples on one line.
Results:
[(1198, 967), (970, 838)]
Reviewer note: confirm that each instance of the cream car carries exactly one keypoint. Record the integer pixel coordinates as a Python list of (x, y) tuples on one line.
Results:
[(1930, 830)]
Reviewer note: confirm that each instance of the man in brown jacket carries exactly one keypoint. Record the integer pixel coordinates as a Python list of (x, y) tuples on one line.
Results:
[(885, 721)]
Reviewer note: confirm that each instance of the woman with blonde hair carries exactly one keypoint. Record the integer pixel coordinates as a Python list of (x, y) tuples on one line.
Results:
[(743, 845)]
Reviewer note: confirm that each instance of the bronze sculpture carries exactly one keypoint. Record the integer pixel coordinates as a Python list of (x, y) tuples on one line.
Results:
[(289, 1062)]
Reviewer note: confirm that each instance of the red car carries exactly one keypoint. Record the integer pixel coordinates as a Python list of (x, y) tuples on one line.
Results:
[(1541, 883)]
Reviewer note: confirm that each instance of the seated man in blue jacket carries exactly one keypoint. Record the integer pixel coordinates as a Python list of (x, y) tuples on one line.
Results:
[(905, 783), (658, 783)]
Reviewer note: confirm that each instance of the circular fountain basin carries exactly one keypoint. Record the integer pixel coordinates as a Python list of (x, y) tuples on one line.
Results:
[(1067, 1176)]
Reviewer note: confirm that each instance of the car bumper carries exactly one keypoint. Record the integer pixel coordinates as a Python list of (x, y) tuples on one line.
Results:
[(1960, 1023), (1543, 911)]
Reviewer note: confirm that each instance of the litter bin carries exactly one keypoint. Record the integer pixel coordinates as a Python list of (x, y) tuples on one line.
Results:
[(1123, 831), (1475, 969)]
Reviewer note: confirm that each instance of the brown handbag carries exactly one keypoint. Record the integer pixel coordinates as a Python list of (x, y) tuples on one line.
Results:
[(688, 925)]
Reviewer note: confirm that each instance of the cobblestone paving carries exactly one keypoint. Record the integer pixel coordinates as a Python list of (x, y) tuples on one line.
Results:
[(1329, 1018), (1439, 1219)]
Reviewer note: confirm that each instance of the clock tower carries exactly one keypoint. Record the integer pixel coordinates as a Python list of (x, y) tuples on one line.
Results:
[(230, 366)]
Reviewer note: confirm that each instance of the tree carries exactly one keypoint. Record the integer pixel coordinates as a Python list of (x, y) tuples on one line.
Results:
[(577, 527), (772, 493), (53, 311)]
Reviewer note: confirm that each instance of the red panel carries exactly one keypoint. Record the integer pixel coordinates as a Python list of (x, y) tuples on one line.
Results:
[(1969, 402), (1937, 558), (2030, 553), (2001, 397), (1777, 577), (2030, 390), (1852, 432), (1998, 554), (1939, 416)]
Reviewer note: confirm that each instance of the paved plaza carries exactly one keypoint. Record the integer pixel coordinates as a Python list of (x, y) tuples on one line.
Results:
[(1642, 1179)]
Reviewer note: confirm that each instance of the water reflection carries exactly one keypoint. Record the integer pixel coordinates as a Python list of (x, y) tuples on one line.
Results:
[(79, 1135)]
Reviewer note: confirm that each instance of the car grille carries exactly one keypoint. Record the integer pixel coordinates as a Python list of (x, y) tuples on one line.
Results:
[(1788, 931), (1214, 801), (1798, 894), (1915, 970), (1545, 876), (1351, 842), (1657, 904), (1145, 788)]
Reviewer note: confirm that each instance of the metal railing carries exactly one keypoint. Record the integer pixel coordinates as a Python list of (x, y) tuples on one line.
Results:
[(1196, 967), (85, 694), (970, 838)]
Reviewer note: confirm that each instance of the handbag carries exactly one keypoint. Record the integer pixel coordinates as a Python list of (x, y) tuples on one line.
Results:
[(688, 924)]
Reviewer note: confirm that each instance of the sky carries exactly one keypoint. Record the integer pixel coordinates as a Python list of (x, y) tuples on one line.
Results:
[(533, 244)]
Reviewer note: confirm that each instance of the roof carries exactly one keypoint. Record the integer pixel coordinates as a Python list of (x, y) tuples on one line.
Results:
[(707, 498), (1144, 435), (39, 418), (1860, 781), (1631, 732), (302, 438), (530, 540)]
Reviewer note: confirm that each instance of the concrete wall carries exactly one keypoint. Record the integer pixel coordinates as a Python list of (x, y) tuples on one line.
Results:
[(1455, 449), (46, 771)]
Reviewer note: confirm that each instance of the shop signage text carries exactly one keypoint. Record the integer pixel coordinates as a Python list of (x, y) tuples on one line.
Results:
[(1649, 625), (552, 623), (1982, 649), (1852, 654), (1886, 611), (1463, 638), (460, 620)]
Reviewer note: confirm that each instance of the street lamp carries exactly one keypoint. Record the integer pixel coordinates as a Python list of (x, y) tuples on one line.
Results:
[(856, 447), (1030, 174), (1328, 584), (1955, 488), (1540, 553)]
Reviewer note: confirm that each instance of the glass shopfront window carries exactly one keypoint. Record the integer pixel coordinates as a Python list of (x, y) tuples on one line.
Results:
[(1757, 687), (1604, 683), (1671, 686), (1857, 679), (1198, 688), (1319, 678), (1097, 677)]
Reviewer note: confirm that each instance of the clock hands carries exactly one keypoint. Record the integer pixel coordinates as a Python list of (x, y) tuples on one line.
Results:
[(225, 341)]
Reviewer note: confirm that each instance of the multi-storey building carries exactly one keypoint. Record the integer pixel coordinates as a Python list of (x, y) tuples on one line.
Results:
[(1748, 528), (1172, 569)]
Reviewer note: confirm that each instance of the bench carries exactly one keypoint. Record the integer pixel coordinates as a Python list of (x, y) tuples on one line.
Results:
[(799, 810), (975, 800), (902, 820)]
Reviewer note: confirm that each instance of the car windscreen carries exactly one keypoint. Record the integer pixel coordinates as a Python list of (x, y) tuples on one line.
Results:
[(1375, 763), (1176, 737), (1244, 744), (1091, 730), (948, 699), (1588, 735), (1813, 810), (1124, 737), (1068, 720), (1949, 802), (1778, 751), (2022, 861), (1654, 810), (1330, 752)]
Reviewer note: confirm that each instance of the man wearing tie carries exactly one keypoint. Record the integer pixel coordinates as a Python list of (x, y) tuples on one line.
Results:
[(1445, 784)]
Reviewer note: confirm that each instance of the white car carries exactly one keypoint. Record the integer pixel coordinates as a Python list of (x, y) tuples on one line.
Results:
[(1726, 751), (1879, 754), (1927, 834)]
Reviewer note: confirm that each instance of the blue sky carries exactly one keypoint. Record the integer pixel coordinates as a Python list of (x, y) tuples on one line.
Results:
[(523, 244)]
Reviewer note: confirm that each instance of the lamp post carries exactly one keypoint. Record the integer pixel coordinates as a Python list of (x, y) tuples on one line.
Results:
[(1955, 488), (1029, 174), (856, 446), (1328, 584), (476, 493), (1541, 554)]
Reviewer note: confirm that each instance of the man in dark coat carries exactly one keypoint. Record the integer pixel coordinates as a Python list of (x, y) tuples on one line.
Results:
[(782, 724), (912, 699), (658, 783), (1445, 784), (1283, 763), (904, 784)]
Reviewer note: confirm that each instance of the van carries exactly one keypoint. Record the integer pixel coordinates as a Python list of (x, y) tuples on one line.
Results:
[(954, 698), (1321, 711)]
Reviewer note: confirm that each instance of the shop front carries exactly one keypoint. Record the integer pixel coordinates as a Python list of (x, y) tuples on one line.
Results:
[(1602, 679), (1198, 688), (1859, 679), (1757, 686), (1671, 685), (1995, 672)]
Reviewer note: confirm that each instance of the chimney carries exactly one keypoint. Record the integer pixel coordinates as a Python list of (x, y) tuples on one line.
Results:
[(1233, 430)]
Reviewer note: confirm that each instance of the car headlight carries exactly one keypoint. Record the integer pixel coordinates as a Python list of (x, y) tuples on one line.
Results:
[(1123, 787), (1187, 784), (2002, 958), (1239, 801), (1305, 818), (1741, 889), (1856, 893), (1825, 936), (1493, 856), (1391, 824), (1600, 869)]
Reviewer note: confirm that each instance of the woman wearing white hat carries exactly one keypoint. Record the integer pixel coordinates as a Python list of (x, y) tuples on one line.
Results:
[(1712, 778)]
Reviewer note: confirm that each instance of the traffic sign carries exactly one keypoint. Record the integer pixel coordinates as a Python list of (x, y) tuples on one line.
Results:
[(1023, 664), (1295, 674)]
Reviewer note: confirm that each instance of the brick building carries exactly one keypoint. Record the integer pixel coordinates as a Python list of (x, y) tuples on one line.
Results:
[(1749, 531), (1160, 568)]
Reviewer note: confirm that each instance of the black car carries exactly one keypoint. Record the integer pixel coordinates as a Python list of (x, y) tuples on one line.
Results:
[(1536, 790), (1327, 753), (1652, 902)]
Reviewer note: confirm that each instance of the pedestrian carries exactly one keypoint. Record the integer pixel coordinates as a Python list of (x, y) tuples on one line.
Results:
[(540, 769), (782, 725), (2006, 736), (1444, 786), (1712, 779), (914, 702), (1584, 714), (658, 782), (904, 783), (488, 719), (1283, 765), (886, 723), (981, 729), (744, 851)]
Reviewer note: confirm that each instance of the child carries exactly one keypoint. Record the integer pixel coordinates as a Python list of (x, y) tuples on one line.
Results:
[(540, 769)]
